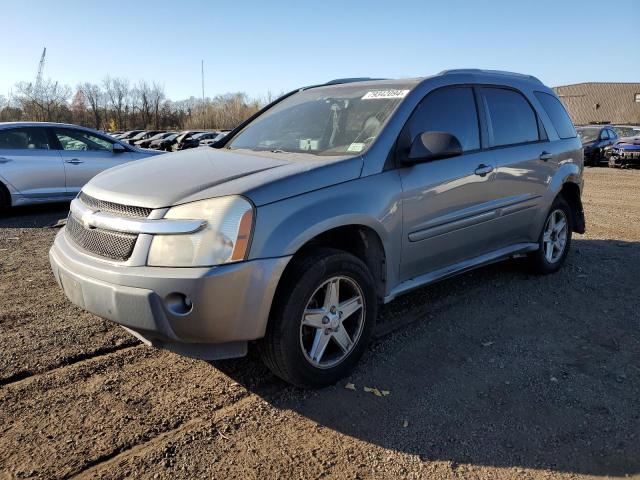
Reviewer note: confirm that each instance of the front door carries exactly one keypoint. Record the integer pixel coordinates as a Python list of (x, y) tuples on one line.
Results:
[(30, 164), (448, 204), (85, 155)]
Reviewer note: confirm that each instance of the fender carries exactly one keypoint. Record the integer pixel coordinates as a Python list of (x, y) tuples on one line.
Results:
[(568, 172), (283, 228)]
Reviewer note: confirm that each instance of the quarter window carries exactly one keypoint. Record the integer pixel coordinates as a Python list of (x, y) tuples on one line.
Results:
[(451, 110), (558, 115), (24, 139), (511, 119)]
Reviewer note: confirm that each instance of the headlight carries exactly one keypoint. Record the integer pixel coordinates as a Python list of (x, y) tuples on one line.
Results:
[(225, 238)]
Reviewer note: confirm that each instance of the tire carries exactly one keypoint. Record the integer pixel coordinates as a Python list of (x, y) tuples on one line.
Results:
[(288, 346), (5, 198), (540, 262)]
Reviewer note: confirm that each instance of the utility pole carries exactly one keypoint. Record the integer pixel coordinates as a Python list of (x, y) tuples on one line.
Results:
[(203, 116)]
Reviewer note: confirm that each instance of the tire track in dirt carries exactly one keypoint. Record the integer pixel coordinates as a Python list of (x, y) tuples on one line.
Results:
[(67, 362), (139, 449)]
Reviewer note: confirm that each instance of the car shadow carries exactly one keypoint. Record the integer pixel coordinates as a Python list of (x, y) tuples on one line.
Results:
[(34, 216), (503, 369)]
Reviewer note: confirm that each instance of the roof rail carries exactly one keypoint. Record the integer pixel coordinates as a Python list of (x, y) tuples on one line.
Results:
[(338, 81), (492, 72)]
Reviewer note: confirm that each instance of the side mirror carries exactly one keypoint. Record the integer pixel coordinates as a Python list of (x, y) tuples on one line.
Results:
[(117, 148), (430, 146)]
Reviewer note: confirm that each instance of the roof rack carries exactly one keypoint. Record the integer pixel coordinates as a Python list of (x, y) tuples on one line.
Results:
[(338, 81), (491, 72)]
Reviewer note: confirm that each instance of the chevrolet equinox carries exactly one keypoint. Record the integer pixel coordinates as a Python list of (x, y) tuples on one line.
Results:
[(292, 229)]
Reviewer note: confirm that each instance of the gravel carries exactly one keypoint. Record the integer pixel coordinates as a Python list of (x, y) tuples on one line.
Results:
[(496, 374)]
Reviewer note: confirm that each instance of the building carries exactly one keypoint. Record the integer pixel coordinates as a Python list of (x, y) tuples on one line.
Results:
[(602, 102)]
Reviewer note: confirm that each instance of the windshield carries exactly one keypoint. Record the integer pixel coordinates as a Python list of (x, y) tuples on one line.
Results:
[(588, 134), (157, 136), (331, 120), (627, 131), (172, 136)]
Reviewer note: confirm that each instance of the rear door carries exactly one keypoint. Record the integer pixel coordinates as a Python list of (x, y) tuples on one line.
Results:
[(31, 164), (85, 155), (448, 203), (525, 161)]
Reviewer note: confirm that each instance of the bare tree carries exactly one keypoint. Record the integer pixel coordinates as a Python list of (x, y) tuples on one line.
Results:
[(117, 92), (156, 97), (143, 93), (93, 95), (48, 102)]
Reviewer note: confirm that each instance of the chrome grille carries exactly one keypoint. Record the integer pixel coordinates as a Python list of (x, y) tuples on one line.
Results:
[(114, 208), (104, 243)]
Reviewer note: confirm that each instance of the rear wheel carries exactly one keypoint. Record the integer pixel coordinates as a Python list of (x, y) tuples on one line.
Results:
[(554, 240), (322, 320)]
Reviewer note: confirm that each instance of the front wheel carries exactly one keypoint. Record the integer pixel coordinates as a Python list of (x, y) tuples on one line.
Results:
[(554, 240), (322, 319)]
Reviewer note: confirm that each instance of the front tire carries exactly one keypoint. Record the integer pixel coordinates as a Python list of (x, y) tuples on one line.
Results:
[(554, 240), (322, 319)]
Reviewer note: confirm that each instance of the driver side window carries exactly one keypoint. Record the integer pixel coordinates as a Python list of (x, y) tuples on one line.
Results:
[(451, 110), (77, 140)]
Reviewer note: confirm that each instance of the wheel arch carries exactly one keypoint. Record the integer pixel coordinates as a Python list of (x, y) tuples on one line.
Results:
[(358, 239)]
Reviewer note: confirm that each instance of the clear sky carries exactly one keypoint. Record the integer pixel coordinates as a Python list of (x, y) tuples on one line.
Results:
[(277, 45)]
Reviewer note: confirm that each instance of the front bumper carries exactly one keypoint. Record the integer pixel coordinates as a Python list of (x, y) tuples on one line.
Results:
[(230, 304), (624, 158)]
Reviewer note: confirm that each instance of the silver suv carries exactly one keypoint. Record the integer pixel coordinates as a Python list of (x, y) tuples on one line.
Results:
[(334, 198)]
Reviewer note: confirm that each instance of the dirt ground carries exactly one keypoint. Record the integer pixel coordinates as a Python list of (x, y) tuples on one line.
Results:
[(493, 375)]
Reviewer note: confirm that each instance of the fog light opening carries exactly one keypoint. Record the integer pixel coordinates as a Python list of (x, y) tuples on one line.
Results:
[(178, 303)]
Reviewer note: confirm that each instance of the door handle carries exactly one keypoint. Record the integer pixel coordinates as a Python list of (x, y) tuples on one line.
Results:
[(4, 160), (483, 170), (75, 161), (545, 156)]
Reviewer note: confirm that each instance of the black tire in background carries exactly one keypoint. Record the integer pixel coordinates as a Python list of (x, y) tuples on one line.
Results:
[(537, 261), (282, 349)]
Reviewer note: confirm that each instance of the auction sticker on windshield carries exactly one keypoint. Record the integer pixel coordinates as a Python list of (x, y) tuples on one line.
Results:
[(375, 94)]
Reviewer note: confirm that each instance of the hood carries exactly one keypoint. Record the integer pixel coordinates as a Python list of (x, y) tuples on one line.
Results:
[(588, 144), (197, 174)]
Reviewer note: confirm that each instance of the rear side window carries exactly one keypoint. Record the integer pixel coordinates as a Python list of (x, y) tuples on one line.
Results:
[(451, 110), (558, 115), (29, 138), (511, 119)]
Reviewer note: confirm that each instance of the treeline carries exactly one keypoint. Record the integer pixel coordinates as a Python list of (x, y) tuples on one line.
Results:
[(116, 104)]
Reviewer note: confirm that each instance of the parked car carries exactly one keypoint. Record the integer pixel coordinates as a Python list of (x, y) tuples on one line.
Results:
[(183, 139), (163, 143), (129, 134), (328, 201), (194, 141), (142, 136), (625, 152), (147, 141), (219, 136), (47, 162), (594, 141), (627, 131)]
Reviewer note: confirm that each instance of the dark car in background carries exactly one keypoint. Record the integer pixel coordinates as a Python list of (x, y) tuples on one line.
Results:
[(595, 138), (625, 152), (147, 141), (163, 143), (142, 136), (182, 141), (128, 134), (196, 140)]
